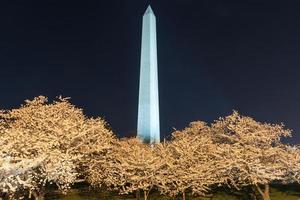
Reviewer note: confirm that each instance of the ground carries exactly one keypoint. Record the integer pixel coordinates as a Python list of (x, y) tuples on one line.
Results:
[(291, 192)]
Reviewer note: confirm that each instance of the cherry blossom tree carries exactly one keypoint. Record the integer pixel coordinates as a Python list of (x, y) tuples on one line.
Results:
[(192, 162), (130, 166), (53, 142), (234, 151), (258, 157), (17, 174), (45, 142)]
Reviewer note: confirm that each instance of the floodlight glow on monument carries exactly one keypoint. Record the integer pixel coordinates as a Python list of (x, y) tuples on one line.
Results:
[(148, 110)]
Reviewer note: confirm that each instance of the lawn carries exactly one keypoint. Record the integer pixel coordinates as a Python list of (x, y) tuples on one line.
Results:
[(278, 192)]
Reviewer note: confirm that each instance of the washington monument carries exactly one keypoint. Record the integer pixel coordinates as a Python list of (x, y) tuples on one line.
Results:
[(148, 129)]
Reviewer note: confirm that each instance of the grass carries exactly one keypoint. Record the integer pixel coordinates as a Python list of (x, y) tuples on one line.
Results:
[(278, 192)]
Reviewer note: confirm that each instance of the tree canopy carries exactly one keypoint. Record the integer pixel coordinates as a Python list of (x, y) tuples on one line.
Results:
[(44, 142)]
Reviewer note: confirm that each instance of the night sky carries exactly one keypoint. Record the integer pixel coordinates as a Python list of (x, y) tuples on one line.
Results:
[(213, 56)]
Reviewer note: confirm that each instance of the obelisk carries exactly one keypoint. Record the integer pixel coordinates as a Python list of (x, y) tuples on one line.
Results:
[(148, 129)]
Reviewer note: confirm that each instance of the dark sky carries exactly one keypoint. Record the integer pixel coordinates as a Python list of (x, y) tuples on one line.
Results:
[(214, 56)]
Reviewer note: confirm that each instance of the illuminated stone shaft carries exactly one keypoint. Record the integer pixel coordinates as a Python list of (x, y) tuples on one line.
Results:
[(148, 111)]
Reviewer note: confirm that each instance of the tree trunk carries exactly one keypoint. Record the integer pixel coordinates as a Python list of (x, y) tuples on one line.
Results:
[(145, 195), (138, 195), (252, 194), (266, 193), (38, 196), (183, 195)]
